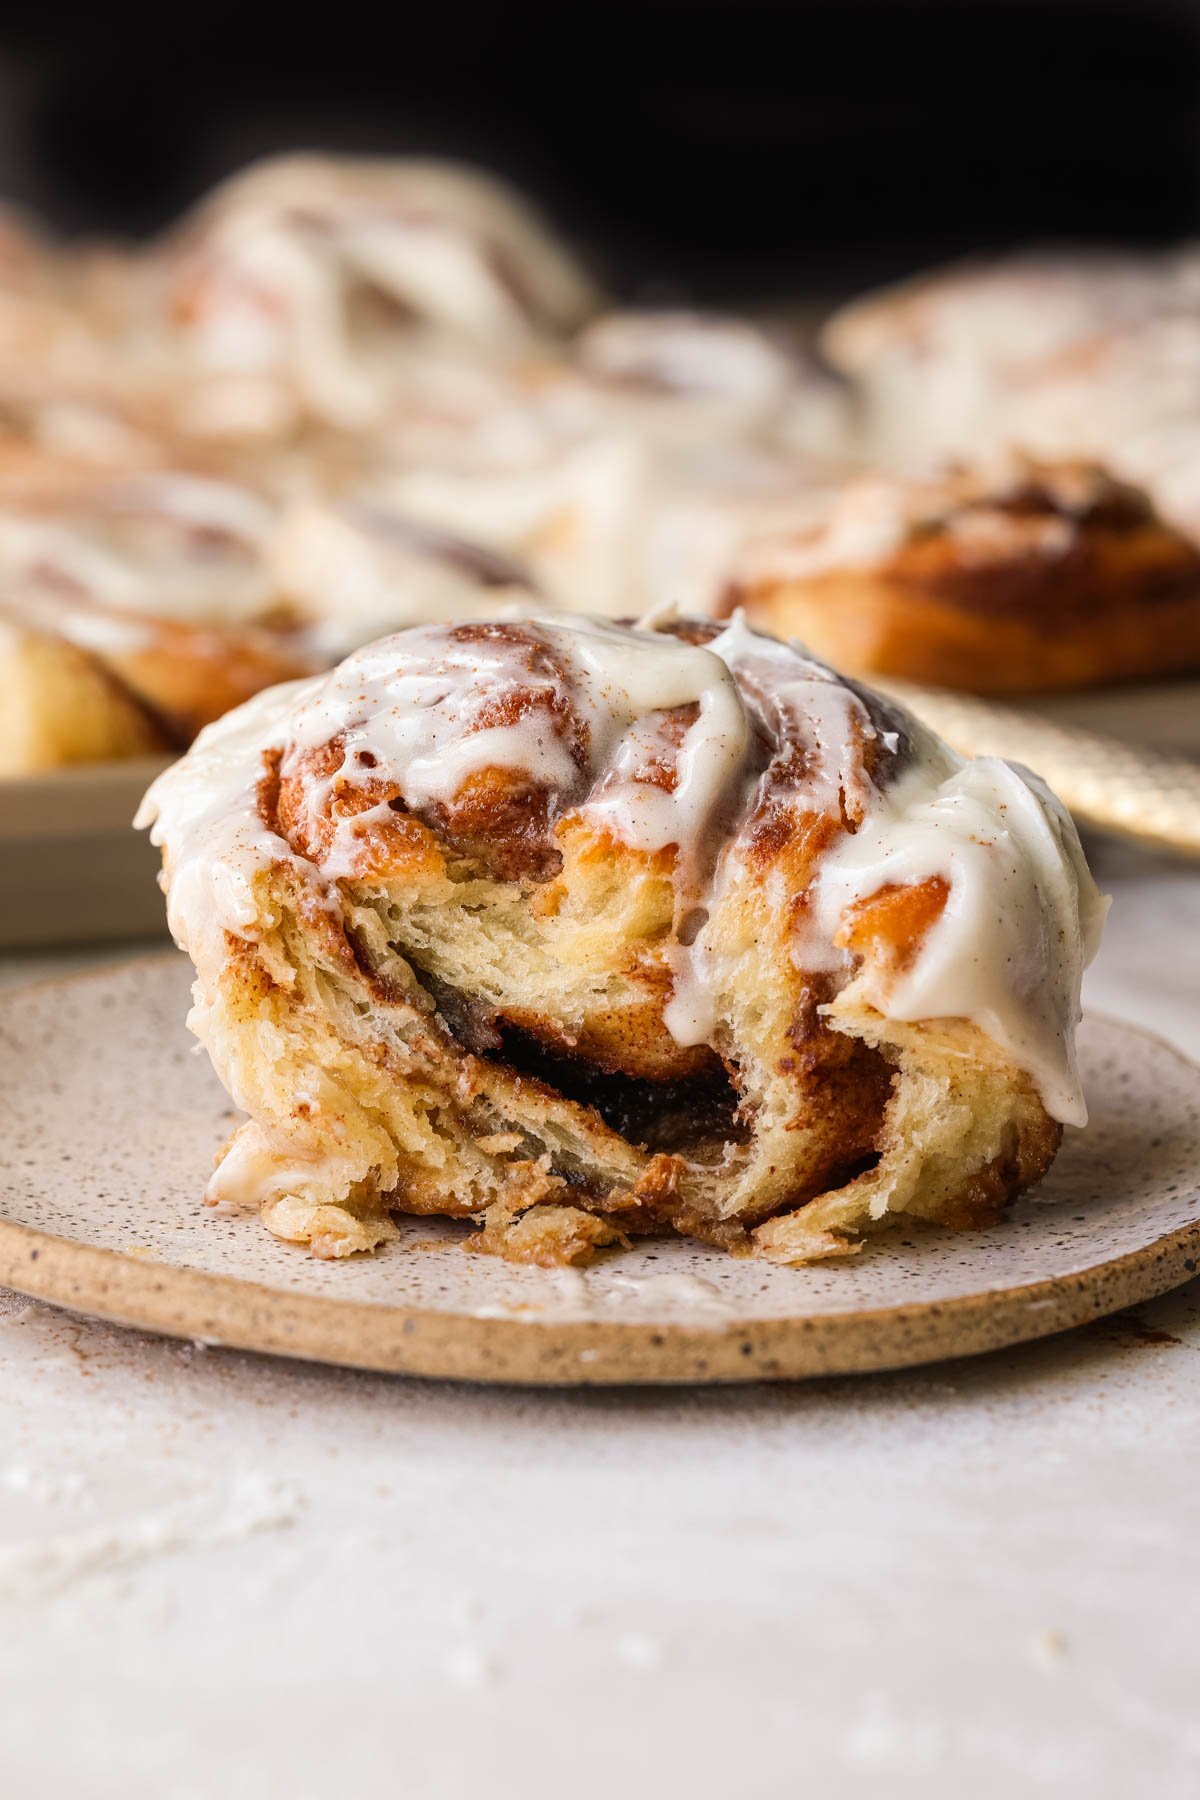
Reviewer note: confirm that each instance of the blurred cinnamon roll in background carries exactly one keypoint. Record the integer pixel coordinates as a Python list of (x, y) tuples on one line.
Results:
[(134, 611), (578, 931), (173, 420), (49, 326), (939, 357), (1075, 355), (316, 287), (1014, 577), (355, 396), (630, 470)]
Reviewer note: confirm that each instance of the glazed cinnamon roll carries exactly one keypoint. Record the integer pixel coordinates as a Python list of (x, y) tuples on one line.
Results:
[(678, 376), (49, 329), (960, 361), (135, 611), (578, 931), (55, 437), (1028, 303), (350, 571), (59, 705), (1009, 578), (315, 287), (632, 470)]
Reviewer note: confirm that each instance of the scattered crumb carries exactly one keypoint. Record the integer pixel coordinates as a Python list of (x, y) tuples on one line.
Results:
[(1047, 1648), (548, 1234)]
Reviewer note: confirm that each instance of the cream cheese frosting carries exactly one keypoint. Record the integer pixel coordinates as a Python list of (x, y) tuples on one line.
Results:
[(1022, 916), (332, 271), (1021, 922), (163, 545)]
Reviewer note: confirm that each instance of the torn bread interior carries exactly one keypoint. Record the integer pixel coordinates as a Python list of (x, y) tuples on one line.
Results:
[(579, 931)]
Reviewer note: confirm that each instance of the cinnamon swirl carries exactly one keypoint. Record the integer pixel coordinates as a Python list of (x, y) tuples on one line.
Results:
[(576, 931), (1066, 356), (313, 288), (967, 359), (1012, 577), (158, 584)]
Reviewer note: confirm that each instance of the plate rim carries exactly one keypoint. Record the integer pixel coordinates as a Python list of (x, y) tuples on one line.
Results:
[(230, 1311)]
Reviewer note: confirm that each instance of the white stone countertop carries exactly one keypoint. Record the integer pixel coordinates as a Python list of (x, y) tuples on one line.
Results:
[(226, 1576)]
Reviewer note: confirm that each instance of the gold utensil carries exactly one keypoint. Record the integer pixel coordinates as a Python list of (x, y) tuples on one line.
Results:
[(1107, 783)]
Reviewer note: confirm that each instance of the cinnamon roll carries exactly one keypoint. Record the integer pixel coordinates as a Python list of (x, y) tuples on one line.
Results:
[(577, 931), (49, 330), (631, 470), (1070, 356), (350, 571), (994, 311), (157, 585), (316, 287), (1008, 578), (55, 437), (59, 705), (959, 361)]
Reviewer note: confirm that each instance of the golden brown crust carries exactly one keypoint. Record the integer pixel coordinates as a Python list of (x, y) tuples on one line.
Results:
[(188, 675), (472, 1022), (60, 706), (1019, 589), (156, 581)]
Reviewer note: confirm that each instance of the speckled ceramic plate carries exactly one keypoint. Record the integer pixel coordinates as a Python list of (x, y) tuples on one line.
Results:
[(108, 1123)]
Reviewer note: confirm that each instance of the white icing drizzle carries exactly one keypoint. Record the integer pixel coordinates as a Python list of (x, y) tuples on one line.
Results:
[(1082, 355), (634, 467), (802, 703), (330, 272), (353, 574), (203, 812), (873, 516), (158, 546), (431, 707), (415, 705), (627, 680), (195, 501), (1021, 921), (689, 357)]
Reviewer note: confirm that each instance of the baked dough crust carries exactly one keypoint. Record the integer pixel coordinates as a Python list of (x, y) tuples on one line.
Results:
[(469, 1019), (1049, 576)]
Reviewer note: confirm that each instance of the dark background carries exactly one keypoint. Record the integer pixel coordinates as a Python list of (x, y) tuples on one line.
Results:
[(700, 150)]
